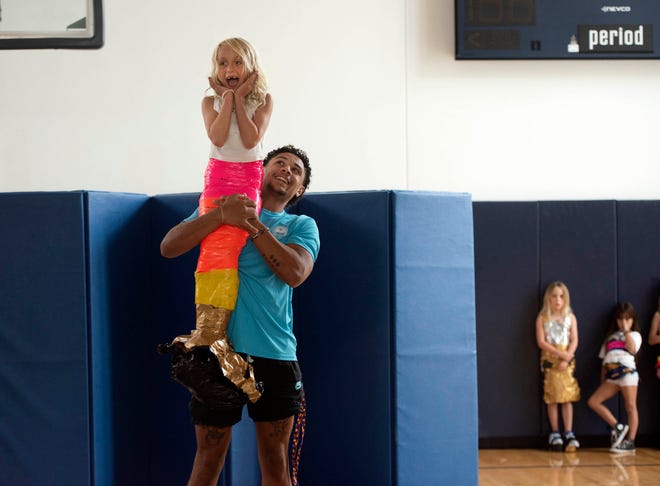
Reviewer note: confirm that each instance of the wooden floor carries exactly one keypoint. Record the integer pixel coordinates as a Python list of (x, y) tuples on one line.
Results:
[(522, 467)]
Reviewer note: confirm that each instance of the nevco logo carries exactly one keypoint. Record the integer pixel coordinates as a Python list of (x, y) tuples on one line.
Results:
[(615, 38), (607, 8)]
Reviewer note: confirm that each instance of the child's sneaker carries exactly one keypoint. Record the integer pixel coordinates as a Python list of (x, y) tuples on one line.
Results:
[(625, 446), (555, 442), (618, 433), (572, 443)]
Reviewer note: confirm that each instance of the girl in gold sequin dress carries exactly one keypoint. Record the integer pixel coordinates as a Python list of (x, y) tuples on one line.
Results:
[(557, 337)]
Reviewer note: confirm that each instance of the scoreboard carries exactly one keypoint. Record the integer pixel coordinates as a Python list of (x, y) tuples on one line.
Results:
[(556, 29)]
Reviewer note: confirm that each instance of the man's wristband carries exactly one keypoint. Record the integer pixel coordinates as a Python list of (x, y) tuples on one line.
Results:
[(259, 233)]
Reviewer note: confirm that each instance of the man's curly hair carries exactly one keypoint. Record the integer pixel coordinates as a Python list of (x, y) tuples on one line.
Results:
[(300, 153)]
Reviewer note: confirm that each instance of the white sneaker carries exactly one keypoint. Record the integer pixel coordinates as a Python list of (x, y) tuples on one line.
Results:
[(555, 442), (572, 443)]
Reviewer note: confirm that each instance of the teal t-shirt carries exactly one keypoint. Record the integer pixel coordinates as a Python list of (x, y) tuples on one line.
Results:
[(262, 322)]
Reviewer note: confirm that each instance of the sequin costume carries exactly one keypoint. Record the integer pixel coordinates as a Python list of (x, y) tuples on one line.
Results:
[(559, 386), (231, 170)]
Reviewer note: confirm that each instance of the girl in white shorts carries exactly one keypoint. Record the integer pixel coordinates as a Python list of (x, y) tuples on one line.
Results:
[(619, 375)]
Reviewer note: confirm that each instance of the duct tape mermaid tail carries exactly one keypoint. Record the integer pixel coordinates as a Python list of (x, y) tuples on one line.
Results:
[(216, 289)]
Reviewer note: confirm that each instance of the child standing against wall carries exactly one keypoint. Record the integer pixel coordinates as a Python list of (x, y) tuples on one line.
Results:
[(619, 375), (557, 338)]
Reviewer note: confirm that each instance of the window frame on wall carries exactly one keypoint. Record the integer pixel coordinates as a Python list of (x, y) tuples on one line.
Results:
[(87, 33)]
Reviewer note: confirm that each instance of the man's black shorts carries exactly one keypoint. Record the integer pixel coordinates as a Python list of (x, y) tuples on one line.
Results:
[(281, 398)]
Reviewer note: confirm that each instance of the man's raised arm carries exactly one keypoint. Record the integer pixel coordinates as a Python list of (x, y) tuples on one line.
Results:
[(236, 210)]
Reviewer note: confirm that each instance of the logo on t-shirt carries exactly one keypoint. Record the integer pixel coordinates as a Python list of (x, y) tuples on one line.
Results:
[(279, 232)]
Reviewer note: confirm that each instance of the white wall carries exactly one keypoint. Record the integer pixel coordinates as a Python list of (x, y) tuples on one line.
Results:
[(508, 130), (370, 89)]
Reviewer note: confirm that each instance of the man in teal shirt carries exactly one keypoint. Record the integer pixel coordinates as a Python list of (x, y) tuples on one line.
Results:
[(279, 256)]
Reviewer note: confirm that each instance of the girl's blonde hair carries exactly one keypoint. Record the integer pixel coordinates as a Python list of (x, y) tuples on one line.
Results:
[(249, 55), (547, 308)]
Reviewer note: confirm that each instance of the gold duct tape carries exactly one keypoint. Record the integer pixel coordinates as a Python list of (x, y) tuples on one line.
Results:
[(218, 288), (235, 368), (211, 325), (211, 330)]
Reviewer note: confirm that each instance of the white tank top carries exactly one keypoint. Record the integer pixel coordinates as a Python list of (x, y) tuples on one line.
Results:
[(233, 149)]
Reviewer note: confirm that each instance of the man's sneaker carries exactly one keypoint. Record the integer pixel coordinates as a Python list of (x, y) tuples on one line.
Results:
[(572, 443), (618, 433), (555, 442), (625, 446)]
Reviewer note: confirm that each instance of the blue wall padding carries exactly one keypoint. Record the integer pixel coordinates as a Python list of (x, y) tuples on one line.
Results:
[(119, 289), (507, 285), (639, 282), (242, 464), (343, 322), (435, 341), (44, 407), (371, 324), (605, 251), (172, 311), (75, 278)]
